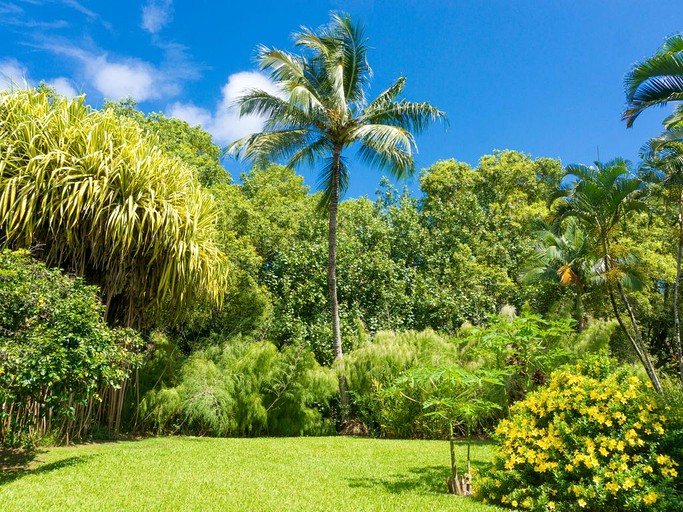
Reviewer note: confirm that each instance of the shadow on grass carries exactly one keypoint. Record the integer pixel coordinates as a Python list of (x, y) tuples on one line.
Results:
[(421, 480), (19, 463)]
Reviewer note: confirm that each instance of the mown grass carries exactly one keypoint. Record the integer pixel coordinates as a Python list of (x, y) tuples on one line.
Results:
[(264, 474)]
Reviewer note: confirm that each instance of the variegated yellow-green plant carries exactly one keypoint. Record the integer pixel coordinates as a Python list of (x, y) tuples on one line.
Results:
[(90, 192)]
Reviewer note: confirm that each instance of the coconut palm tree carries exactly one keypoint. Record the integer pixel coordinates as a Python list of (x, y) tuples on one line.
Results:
[(322, 111), (600, 197), (656, 81), (663, 164), (563, 253)]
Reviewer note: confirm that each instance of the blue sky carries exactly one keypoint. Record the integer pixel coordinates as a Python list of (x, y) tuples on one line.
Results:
[(543, 77)]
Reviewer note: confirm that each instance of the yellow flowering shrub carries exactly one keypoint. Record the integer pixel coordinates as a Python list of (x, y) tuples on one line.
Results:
[(593, 439)]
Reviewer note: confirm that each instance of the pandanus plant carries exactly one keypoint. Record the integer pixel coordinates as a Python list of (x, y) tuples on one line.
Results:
[(88, 191)]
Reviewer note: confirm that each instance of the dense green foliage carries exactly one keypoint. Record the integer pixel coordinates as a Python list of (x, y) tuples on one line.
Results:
[(190, 144), (400, 381), (315, 474), (593, 439), (56, 352), (244, 388), (457, 309), (422, 266)]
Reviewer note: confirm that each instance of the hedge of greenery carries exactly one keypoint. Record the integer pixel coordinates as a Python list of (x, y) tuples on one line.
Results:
[(55, 351)]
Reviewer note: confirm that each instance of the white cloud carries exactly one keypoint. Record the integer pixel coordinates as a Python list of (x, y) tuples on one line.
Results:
[(195, 116), (156, 14), (119, 77), (225, 124), (63, 86), (12, 74), (116, 80)]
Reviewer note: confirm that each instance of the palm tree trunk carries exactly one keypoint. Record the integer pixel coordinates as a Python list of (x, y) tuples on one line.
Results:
[(332, 280), (635, 338), (647, 362), (677, 322), (580, 320)]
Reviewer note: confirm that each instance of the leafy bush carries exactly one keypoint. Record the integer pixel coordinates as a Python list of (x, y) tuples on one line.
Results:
[(386, 375), (591, 440), (244, 388), (374, 367), (55, 349)]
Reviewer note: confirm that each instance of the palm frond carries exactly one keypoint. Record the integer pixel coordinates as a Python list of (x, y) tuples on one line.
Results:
[(656, 80)]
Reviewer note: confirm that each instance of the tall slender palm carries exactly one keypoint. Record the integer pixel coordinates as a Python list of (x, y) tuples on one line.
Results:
[(663, 163), (563, 254), (656, 81), (601, 197), (323, 111)]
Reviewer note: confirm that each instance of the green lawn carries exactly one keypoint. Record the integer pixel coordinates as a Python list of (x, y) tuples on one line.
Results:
[(264, 474)]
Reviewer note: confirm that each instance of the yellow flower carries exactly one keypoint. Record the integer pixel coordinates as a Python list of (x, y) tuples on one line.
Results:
[(551, 505), (514, 503), (650, 498), (582, 503), (612, 487), (662, 459), (628, 483), (669, 472), (647, 469)]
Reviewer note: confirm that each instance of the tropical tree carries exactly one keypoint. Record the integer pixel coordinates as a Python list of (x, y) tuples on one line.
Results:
[(600, 197), (321, 112), (190, 144), (92, 193), (563, 254), (663, 163), (656, 80)]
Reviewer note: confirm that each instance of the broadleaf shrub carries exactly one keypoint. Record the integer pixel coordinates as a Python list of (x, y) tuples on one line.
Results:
[(593, 439), (56, 351)]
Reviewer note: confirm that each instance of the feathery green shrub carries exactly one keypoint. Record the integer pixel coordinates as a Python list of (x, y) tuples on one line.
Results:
[(244, 388), (389, 395)]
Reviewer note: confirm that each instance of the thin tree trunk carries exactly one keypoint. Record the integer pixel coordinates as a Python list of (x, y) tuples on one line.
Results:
[(677, 322), (332, 280), (580, 321), (635, 338), (649, 367)]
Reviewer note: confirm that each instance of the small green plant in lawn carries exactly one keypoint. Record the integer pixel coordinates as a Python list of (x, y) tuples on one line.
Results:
[(596, 438), (459, 398)]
